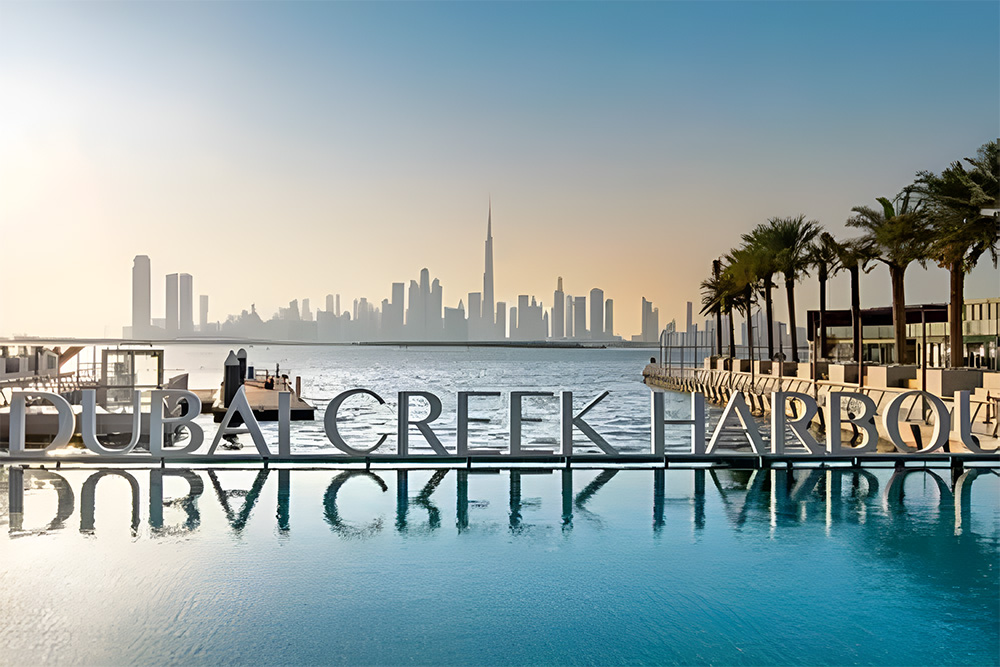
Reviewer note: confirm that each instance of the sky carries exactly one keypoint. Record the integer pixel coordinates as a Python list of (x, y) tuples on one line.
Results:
[(289, 150)]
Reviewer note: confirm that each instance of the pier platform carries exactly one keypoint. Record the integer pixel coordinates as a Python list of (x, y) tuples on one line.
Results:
[(264, 402)]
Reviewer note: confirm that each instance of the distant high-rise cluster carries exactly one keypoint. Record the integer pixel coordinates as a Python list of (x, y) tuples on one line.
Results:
[(178, 311), (413, 312)]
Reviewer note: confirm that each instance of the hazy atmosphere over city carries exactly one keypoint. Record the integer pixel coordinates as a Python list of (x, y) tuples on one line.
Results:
[(279, 152)]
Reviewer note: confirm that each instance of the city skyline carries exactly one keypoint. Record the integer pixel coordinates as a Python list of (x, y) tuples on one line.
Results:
[(633, 142), (421, 315)]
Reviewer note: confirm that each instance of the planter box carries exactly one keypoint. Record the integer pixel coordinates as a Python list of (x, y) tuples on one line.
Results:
[(890, 376), (784, 369), (805, 370), (991, 382), (844, 373), (946, 381)]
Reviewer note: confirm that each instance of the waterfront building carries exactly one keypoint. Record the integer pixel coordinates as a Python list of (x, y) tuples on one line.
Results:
[(927, 334), (141, 315)]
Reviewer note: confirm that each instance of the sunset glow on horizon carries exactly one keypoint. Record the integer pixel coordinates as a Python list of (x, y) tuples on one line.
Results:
[(285, 151)]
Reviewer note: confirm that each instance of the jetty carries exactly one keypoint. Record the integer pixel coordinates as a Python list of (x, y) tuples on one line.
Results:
[(262, 389)]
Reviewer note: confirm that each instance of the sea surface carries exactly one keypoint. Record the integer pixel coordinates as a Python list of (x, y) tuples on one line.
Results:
[(494, 565), (622, 418)]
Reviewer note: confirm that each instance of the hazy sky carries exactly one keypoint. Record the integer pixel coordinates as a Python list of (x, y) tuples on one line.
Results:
[(280, 151)]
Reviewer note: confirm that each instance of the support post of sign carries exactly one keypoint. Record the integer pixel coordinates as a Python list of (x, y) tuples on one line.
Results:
[(957, 467)]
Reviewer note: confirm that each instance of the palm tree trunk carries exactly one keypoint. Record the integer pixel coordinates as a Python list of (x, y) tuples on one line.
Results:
[(717, 273), (855, 272), (790, 291), (732, 337), (821, 353), (749, 296), (899, 313), (770, 317), (955, 308)]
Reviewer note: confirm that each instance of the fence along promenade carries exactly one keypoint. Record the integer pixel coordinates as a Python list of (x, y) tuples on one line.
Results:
[(719, 385)]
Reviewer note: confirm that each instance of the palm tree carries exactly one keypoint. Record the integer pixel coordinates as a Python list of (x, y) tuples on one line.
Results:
[(962, 231), (825, 256), (760, 241), (790, 240), (899, 235), (719, 294), (854, 256), (744, 270)]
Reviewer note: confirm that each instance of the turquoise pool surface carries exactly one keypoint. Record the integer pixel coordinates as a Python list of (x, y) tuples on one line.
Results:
[(499, 567)]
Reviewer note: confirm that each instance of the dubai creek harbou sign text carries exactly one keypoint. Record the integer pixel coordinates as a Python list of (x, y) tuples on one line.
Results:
[(575, 431)]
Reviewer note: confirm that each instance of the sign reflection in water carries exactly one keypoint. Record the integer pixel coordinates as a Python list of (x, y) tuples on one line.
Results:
[(782, 496), (502, 567)]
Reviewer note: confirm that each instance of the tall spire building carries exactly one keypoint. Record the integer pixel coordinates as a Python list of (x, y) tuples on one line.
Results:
[(488, 303)]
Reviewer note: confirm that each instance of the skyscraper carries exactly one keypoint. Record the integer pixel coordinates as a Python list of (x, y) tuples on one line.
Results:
[(579, 317), (558, 319), (650, 322), (609, 319), (476, 329), (487, 307), (140, 296), (568, 331), (203, 312), (435, 316), (186, 303), (171, 314), (596, 313), (501, 323)]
